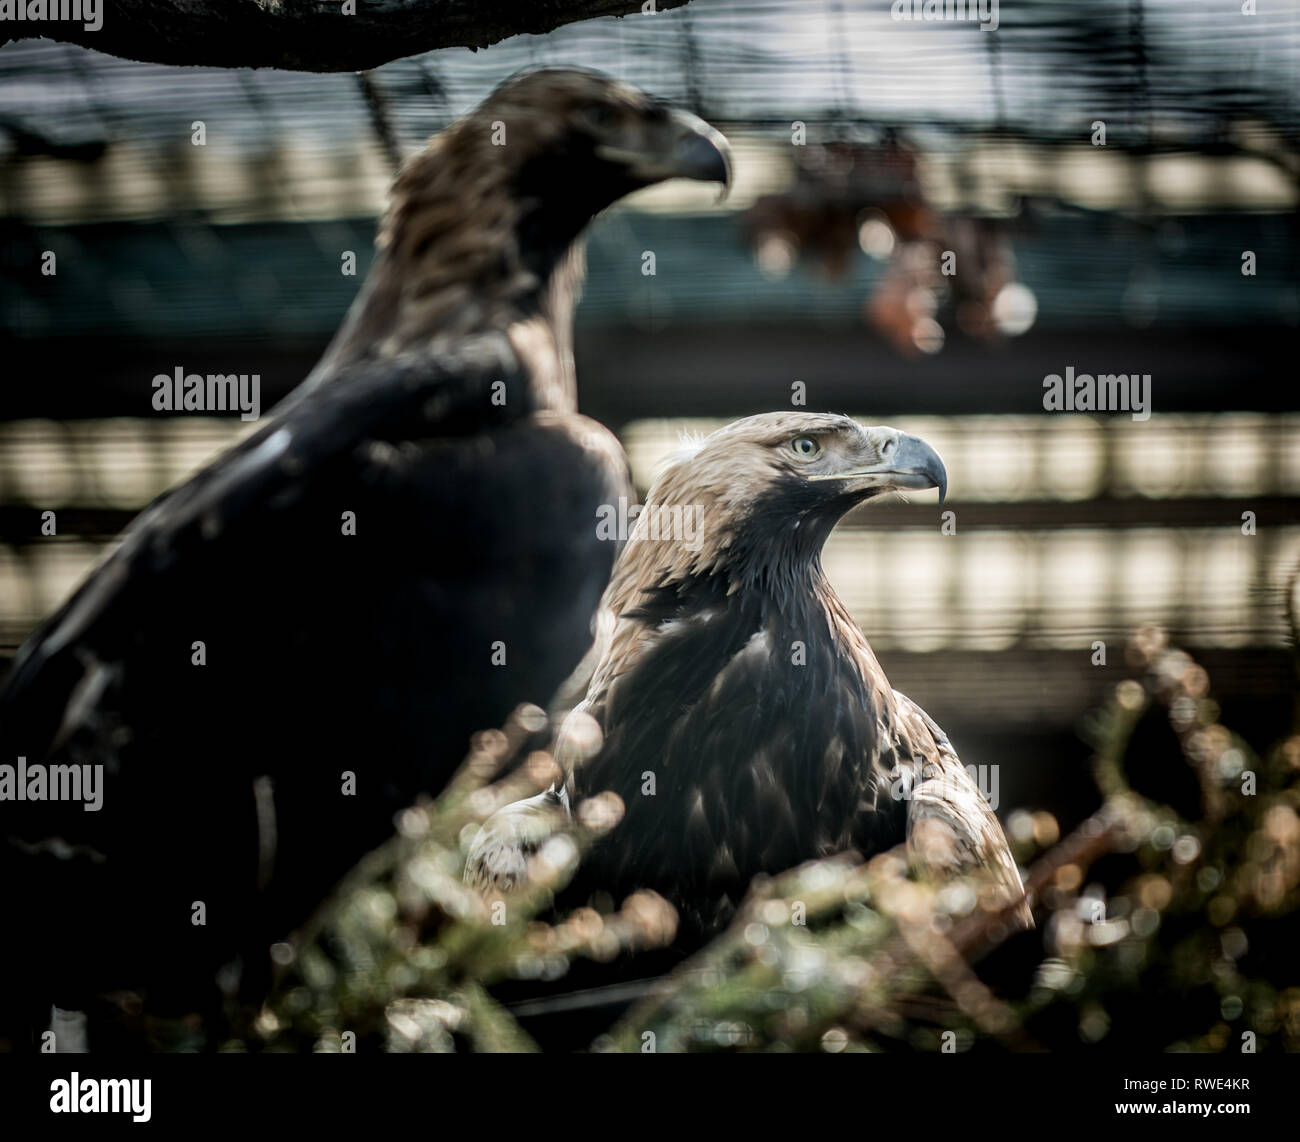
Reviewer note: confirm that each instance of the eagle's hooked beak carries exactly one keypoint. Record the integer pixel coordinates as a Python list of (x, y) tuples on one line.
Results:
[(700, 151), (904, 462), (683, 146)]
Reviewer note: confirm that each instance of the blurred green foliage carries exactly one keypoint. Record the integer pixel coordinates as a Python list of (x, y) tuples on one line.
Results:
[(1164, 923)]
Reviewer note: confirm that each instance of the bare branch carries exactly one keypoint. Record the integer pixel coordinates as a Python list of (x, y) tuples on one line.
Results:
[(310, 35)]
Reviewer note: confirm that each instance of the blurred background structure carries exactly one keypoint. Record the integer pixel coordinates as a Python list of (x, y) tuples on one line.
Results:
[(1098, 173)]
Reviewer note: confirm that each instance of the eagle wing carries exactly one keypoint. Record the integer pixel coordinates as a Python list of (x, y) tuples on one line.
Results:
[(273, 473), (951, 828)]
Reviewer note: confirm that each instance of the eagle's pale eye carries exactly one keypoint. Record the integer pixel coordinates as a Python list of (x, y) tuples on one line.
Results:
[(805, 446)]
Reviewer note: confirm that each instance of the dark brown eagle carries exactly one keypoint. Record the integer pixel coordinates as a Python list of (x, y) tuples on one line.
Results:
[(403, 553), (747, 724)]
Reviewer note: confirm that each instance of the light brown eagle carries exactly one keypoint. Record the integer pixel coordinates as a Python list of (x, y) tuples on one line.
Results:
[(747, 724)]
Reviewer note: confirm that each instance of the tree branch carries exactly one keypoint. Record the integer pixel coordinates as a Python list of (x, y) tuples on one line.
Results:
[(308, 35)]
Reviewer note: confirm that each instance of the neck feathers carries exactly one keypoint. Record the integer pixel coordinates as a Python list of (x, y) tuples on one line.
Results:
[(455, 260), (657, 582)]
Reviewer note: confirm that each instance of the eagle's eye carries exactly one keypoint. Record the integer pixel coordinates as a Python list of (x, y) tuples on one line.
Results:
[(805, 446), (598, 116)]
